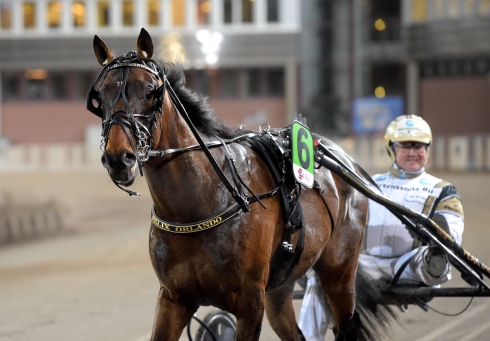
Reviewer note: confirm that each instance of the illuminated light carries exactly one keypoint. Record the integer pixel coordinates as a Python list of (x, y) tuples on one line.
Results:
[(55, 6), (206, 7), (53, 15), (28, 9), (210, 45), (380, 25), (36, 74), (380, 92), (202, 35), (211, 59), (78, 9), (217, 37)]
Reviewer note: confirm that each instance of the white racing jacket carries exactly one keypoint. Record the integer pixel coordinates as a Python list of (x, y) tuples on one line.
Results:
[(388, 244), (386, 236)]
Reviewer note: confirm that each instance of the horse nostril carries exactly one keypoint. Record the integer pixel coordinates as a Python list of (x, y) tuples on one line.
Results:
[(103, 160), (128, 159), (119, 161)]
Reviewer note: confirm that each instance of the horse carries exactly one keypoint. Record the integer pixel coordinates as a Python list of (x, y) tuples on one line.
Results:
[(210, 243)]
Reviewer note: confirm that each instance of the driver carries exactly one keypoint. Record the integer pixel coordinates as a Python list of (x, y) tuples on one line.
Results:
[(389, 248)]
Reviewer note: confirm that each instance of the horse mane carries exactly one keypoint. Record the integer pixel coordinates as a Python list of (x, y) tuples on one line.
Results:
[(200, 113)]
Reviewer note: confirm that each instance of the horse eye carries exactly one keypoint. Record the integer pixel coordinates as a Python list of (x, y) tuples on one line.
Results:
[(149, 94)]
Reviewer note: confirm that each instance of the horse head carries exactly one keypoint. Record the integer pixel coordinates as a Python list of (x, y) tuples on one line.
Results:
[(128, 96)]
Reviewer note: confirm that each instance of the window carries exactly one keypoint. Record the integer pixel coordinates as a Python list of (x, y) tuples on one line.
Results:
[(272, 11), (36, 83), (203, 12), (247, 10), (54, 14), (10, 87), (482, 66), (275, 82), (5, 15), (228, 12), (128, 13), (29, 13), (58, 86), (213, 82), (178, 12), (84, 82), (387, 79), (229, 83), (385, 19), (201, 82), (253, 83), (79, 13), (153, 12), (455, 68), (419, 10), (103, 10)]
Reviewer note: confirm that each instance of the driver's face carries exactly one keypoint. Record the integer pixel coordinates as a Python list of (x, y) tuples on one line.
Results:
[(410, 156)]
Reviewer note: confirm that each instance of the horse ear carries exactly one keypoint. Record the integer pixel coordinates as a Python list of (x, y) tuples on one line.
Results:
[(144, 44), (102, 52)]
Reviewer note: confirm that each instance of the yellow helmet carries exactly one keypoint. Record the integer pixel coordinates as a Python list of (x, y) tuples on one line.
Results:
[(407, 128)]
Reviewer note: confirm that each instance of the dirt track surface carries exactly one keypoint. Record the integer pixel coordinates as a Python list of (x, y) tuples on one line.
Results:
[(95, 281)]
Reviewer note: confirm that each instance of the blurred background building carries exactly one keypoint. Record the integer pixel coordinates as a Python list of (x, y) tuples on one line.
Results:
[(350, 66)]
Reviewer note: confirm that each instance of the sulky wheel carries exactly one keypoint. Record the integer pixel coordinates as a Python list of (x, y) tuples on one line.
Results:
[(218, 325)]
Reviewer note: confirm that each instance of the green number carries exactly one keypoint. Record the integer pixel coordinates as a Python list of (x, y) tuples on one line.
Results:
[(303, 150), (303, 164)]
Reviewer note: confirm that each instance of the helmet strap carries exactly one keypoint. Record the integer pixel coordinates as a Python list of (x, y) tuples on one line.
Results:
[(400, 173)]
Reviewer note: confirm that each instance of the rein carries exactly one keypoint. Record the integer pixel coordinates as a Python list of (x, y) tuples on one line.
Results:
[(239, 198)]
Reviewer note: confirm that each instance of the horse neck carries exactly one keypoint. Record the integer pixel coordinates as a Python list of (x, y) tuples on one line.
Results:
[(185, 183)]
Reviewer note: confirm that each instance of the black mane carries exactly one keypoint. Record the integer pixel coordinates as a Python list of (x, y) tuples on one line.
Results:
[(201, 114)]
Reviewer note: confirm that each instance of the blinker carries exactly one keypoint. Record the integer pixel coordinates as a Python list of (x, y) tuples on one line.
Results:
[(93, 95)]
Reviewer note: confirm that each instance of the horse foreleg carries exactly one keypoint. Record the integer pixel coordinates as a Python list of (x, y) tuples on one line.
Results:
[(249, 314), (170, 318), (280, 313), (343, 305)]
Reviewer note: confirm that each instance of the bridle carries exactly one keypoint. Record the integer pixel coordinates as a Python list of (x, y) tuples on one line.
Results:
[(141, 125)]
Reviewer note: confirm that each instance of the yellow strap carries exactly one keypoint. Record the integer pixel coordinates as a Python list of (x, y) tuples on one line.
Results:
[(429, 203), (199, 226), (431, 199)]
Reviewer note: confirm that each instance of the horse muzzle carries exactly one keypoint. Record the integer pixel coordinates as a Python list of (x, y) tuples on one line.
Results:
[(121, 167)]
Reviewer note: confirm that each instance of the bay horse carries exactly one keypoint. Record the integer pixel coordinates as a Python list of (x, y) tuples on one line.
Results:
[(150, 119)]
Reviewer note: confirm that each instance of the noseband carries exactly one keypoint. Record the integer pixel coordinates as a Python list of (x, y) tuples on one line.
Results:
[(141, 129)]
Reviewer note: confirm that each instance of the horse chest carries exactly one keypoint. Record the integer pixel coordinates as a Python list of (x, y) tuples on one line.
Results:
[(169, 250)]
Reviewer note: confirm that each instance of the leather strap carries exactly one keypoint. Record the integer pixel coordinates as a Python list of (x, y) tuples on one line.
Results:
[(202, 225), (240, 199)]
